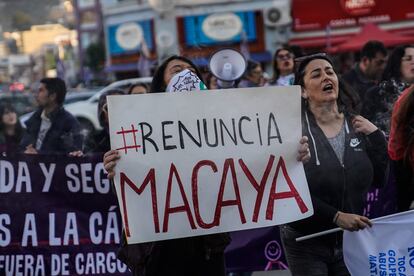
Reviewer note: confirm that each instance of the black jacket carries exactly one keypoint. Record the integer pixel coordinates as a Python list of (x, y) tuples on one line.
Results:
[(98, 142), (379, 102), (334, 187), (146, 259), (358, 81), (63, 136)]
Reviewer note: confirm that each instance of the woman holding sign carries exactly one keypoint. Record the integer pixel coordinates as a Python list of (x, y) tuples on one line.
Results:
[(201, 255), (348, 154)]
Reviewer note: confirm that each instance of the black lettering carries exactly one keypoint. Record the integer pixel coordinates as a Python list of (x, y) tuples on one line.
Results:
[(258, 129), (215, 144), (145, 137), (165, 137), (272, 121), (223, 126), (181, 127), (240, 129)]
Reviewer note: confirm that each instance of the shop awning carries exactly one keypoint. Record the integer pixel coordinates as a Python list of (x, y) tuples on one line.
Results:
[(370, 32), (321, 40)]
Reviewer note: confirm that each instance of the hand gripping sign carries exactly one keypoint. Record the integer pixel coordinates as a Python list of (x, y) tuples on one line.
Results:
[(208, 162)]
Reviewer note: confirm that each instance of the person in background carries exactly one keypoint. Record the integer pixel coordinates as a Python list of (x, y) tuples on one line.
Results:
[(11, 130), (211, 81), (398, 75), (401, 148), (283, 67), (51, 129), (348, 154), (138, 88), (99, 142), (253, 77), (201, 255), (368, 71), (266, 79), (346, 63), (296, 50)]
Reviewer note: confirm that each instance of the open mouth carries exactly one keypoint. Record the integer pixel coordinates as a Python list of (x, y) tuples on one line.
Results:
[(328, 87)]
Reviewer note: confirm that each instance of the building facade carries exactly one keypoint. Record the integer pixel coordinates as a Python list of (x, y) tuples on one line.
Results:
[(152, 30)]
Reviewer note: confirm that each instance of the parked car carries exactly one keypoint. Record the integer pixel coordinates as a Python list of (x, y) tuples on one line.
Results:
[(22, 102), (71, 97), (87, 111), (75, 96)]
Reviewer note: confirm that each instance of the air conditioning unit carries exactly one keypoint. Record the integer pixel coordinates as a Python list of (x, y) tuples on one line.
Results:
[(277, 15), (272, 17)]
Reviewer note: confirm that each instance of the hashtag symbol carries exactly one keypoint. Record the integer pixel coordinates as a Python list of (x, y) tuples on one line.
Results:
[(132, 131)]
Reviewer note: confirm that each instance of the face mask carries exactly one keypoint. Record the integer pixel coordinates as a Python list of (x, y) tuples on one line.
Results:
[(186, 80)]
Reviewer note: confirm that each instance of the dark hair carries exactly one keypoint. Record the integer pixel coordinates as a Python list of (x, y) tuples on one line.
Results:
[(102, 101), (348, 100), (393, 68), (55, 86), (157, 84), (9, 108), (405, 125), (297, 50), (276, 71), (140, 84), (251, 65), (371, 48), (209, 78)]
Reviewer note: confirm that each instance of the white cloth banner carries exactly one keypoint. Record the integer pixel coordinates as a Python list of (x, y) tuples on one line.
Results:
[(387, 248), (196, 163)]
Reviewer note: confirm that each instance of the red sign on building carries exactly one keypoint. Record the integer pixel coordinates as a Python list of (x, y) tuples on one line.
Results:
[(358, 7), (319, 14)]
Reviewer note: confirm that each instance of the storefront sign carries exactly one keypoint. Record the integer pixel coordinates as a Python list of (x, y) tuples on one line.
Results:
[(216, 29), (358, 7), (222, 26), (128, 37)]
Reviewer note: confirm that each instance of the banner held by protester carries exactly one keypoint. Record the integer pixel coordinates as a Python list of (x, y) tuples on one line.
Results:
[(386, 248), (58, 216), (208, 162)]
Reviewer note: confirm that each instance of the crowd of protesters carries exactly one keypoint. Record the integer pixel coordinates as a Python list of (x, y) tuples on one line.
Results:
[(347, 121)]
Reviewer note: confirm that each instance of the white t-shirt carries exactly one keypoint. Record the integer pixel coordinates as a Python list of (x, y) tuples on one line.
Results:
[(285, 80), (44, 128)]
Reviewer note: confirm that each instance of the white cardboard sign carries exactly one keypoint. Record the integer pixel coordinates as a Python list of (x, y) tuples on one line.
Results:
[(207, 162)]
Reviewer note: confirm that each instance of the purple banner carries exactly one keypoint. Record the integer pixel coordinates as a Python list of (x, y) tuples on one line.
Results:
[(58, 216)]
